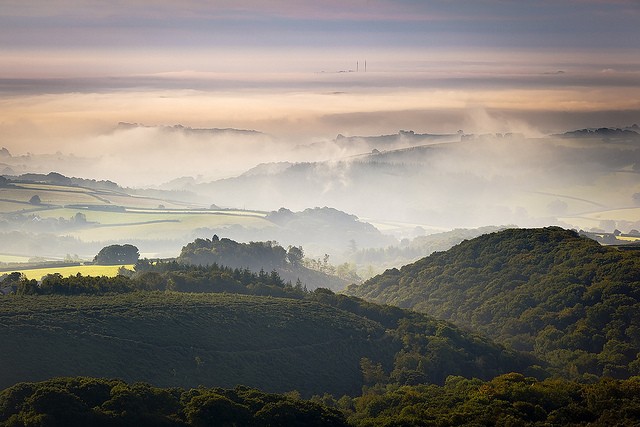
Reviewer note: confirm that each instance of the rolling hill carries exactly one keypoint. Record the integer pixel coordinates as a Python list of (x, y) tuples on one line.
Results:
[(563, 297), (316, 345)]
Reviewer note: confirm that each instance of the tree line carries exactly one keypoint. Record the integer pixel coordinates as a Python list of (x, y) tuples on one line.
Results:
[(510, 399)]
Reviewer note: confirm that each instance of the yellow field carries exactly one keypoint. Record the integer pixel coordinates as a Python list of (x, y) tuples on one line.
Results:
[(628, 238), (85, 270)]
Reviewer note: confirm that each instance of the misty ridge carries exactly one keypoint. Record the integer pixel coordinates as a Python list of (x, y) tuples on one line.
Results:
[(440, 180), (374, 191)]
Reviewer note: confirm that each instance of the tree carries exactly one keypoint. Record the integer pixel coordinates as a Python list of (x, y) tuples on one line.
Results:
[(295, 255), (79, 218), (117, 254), (212, 409), (35, 200)]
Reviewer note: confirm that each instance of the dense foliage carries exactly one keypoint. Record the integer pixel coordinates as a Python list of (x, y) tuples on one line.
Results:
[(510, 399), (83, 401), (117, 254), (507, 400), (567, 299)]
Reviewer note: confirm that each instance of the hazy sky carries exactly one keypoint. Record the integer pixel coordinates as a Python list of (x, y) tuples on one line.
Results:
[(69, 69)]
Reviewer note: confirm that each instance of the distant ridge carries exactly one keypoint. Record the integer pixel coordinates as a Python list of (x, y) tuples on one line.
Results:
[(186, 129), (605, 132)]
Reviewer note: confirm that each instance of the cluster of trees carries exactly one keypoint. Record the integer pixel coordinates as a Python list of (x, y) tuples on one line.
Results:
[(176, 276), (84, 401), (258, 256), (565, 298), (253, 255), (117, 254)]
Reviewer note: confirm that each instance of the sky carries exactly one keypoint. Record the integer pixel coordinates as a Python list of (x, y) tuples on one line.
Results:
[(71, 70)]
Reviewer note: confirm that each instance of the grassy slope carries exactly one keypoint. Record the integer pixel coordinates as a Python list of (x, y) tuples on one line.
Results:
[(188, 339)]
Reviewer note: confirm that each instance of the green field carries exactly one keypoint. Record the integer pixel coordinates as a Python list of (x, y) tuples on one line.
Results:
[(154, 224), (63, 196), (15, 196), (112, 216)]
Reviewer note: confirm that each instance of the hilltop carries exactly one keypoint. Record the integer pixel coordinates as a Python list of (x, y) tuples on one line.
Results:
[(563, 297)]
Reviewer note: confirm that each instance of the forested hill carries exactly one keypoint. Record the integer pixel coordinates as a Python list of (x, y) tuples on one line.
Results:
[(258, 256), (549, 291)]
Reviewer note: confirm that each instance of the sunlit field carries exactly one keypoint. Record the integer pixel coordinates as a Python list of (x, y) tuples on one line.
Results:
[(85, 270)]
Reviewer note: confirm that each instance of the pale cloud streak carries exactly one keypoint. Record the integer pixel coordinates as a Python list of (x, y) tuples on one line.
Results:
[(69, 68)]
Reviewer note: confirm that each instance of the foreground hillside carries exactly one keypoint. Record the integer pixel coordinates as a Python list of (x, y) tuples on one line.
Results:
[(188, 339), (567, 299), (323, 344)]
